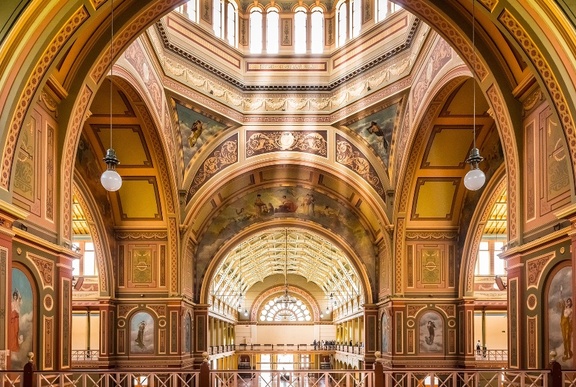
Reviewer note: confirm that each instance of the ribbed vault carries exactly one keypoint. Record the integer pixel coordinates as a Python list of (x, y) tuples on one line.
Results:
[(286, 252)]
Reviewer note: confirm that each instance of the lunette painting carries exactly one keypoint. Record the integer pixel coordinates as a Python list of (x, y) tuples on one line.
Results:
[(377, 129), (20, 330), (560, 314), (142, 333), (431, 333)]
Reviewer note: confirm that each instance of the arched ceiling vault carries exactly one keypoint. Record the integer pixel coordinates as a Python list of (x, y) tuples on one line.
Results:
[(289, 251), (334, 189), (73, 59), (286, 252)]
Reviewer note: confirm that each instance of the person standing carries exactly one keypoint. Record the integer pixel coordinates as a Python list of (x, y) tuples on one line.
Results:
[(15, 339), (565, 306)]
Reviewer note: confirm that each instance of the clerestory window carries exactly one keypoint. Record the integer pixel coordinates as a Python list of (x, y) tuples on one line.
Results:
[(232, 24), (341, 23), (255, 30), (188, 9), (317, 31), (272, 30), (300, 29), (385, 8)]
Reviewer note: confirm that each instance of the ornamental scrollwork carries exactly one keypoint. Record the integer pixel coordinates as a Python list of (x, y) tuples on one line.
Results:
[(225, 155), (348, 155), (264, 142)]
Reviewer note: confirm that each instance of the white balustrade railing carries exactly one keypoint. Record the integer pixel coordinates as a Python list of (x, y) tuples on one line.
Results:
[(288, 378), (492, 355), (85, 354)]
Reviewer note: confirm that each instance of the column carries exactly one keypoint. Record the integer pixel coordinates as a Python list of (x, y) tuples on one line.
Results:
[(200, 332), (107, 331), (467, 346), (370, 334)]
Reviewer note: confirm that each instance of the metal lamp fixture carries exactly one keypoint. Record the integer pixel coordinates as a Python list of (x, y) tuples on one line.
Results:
[(110, 179), (475, 178)]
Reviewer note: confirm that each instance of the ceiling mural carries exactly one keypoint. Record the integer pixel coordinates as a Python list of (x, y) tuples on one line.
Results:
[(377, 130), (294, 202), (195, 130)]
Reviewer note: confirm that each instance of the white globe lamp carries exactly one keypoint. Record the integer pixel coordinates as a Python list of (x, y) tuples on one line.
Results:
[(475, 178), (110, 179)]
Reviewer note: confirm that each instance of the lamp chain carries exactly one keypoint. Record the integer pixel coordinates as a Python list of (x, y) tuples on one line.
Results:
[(111, 63), (474, 73)]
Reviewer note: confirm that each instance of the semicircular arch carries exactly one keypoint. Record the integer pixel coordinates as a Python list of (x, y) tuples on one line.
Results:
[(357, 267)]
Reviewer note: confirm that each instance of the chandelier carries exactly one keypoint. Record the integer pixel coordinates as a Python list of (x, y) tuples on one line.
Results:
[(285, 300)]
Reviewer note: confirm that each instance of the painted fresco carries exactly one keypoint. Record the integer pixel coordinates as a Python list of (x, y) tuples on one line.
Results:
[(385, 325), (560, 314), (187, 334), (377, 130), (142, 333), (297, 202), (431, 333), (20, 329), (195, 130)]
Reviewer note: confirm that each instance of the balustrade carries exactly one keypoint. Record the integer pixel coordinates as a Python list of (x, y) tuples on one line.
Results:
[(254, 378)]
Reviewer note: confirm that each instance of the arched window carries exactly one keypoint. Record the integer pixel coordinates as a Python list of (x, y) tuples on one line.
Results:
[(341, 23), (255, 30), (232, 23), (356, 6), (300, 30), (189, 10), (272, 30), (218, 16), (276, 310), (384, 8), (317, 31)]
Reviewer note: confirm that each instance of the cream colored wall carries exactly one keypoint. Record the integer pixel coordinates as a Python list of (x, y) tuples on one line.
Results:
[(283, 334), (496, 329), (80, 331)]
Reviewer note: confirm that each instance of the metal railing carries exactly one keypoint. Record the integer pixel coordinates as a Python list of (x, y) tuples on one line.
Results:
[(85, 354), (492, 355), (288, 378), (218, 349)]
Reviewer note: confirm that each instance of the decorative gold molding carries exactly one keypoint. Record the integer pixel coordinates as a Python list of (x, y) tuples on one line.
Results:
[(35, 80)]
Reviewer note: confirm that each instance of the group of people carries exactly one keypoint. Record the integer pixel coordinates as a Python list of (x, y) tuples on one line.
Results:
[(331, 344)]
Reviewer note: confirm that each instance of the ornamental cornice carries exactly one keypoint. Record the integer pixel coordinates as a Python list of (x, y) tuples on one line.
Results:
[(346, 78), (296, 103)]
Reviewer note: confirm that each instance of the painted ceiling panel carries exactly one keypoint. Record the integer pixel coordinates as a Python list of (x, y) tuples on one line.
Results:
[(139, 199), (296, 203), (287, 172), (446, 150), (462, 102), (377, 130), (120, 106), (128, 142), (196, 129), (434, 198)]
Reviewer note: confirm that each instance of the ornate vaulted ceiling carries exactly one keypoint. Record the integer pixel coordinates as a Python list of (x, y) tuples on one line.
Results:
[(248, 142)]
